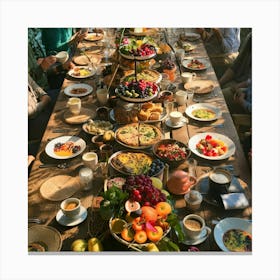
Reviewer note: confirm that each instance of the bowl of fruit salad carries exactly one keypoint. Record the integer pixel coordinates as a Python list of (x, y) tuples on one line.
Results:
[(212, 146), (171, 151), (139, 213), (137, 91)]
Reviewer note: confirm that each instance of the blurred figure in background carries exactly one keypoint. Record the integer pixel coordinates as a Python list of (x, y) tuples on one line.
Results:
[(222, 46)]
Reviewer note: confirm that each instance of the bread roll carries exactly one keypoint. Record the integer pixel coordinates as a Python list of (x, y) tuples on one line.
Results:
[(154, 116)]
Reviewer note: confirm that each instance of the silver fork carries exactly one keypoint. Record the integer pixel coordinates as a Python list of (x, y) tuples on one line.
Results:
[(62, 165)]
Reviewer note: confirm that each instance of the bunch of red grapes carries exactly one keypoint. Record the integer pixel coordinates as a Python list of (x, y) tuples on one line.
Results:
[(141, 189)]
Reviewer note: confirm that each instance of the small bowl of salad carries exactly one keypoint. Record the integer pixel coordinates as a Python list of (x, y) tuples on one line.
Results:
[(171, 151)]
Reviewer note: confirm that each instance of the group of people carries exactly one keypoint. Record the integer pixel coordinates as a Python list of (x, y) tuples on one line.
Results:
[(232, 62), (46, 75)]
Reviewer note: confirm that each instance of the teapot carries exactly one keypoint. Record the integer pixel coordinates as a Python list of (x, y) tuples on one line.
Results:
[(180, 182)]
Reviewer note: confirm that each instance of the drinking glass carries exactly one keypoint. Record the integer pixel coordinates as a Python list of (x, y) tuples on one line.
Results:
[(86, 177), (169, 106), (190, 93)]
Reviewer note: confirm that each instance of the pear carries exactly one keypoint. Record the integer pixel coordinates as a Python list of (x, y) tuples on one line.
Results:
[(152, 247), (95, 245), (79, 245)]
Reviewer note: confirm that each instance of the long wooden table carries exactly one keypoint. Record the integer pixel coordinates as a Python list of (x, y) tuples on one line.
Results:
[(93, 225)]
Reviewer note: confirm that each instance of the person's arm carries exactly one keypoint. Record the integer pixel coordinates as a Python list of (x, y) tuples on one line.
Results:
[(227, 39), (227, 76), (38, 99)]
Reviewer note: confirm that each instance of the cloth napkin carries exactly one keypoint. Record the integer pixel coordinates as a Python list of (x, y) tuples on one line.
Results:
[(234, 201)]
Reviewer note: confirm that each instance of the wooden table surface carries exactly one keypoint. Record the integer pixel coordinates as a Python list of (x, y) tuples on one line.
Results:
[(93, 225)]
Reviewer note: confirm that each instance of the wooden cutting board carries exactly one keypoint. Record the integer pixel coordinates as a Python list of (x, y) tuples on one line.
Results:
[(84, 116), (59, 187), (200, 86)]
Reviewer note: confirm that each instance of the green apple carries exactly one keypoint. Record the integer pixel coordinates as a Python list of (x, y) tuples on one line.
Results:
[(165, 192)]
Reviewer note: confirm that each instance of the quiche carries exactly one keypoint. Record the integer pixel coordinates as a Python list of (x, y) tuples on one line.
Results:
[(132, 163), (138, 134)]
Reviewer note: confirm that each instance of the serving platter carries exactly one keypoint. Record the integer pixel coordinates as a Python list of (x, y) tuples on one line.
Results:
[(205, 107), (84, 60), (145, 74), (194, 140), (76, 141), (97, 127)]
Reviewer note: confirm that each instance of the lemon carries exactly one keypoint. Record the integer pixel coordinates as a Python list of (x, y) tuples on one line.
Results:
[(118, 225), (156, 182), (109, 135)]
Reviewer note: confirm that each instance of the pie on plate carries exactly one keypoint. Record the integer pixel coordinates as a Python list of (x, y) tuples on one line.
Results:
[(137, 135)]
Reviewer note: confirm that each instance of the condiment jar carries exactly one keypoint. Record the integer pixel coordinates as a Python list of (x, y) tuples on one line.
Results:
[(193, 199)]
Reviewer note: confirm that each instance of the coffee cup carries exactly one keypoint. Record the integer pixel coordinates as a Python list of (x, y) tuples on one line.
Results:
[(175, 117), (70, 207), (106, 150), (90, 159), (187, 77), (219, 182), (194, 225), (181, 97), (102, 95), (74, 104)]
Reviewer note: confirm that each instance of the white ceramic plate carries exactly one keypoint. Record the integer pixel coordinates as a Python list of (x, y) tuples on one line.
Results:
[(228, 142), (49, 235), (94, 37), (87, 87), (76, 140), (70, 222), (206, 63), (79, 68), (205, 106), (227, 224)]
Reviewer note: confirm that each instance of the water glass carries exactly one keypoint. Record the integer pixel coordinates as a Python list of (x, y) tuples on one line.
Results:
[(86, 177), (190, 93), (169, 106)]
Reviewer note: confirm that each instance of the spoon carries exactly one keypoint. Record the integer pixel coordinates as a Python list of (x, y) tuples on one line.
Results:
[(59, 165)]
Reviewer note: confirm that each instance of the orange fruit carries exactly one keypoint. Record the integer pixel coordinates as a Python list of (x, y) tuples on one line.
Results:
[(127, 234), (155, 236), (163, 208), (137, 223), (149, 213), (140, 236)]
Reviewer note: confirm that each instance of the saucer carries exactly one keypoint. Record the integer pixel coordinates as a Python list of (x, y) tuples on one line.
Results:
[(180, 124), (69, 222), (201, 238)]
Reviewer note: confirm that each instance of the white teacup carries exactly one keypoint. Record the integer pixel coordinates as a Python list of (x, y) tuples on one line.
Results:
[(90, 160), (62, 57), (102, 95), (70, 207), (175, 117), (74, 104), (194, 225), (181, 97), (187, 77)]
